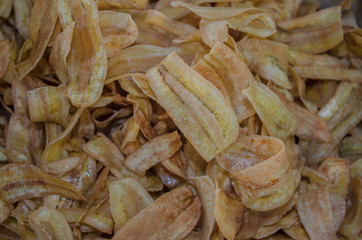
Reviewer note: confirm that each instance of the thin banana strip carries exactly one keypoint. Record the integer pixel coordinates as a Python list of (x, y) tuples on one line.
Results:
[(276, 117), (87, 60), (127, 198), (261, 171), (50, 224), (224, 68), (20, 181), (171, 216), (196, 106)]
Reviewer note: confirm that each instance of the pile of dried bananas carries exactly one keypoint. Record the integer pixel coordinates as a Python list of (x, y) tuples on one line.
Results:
[(192, 119)]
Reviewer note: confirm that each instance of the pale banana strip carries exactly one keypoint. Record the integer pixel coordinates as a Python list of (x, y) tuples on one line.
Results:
[(196, 106), (171, 216), (127, 198), (48, 223), (261, 171), (226, 69)]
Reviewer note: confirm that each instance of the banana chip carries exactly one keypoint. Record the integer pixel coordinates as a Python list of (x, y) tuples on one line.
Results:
[(49, 104), (341, 104), (254, 21), (228, 214), (61, 167), (337, 171), (87, 175), (157, 29), (140, 58), (139, 85), (206, 190), (153, 152), (18, 142), (84, 129), (315, 212), (296, 231), (26, 142), (49, 224), (276, 117), (197, 107), (220, 176), (311, 126), (118, 30), (55, 150), (353, 75), (315, 32), (267, 58), (95, 221), (25, 181), (87, 60), (287, 221), (298, 58), (341, 116), (230, 74), (127, 138), (142, 113), (196, 165), (266, 158), (353, 39), (104, 150), (190, 119), (127, 198), (42, 23), (59, 54), (102, 117), (351, 148), (94, 191), (174, 215)]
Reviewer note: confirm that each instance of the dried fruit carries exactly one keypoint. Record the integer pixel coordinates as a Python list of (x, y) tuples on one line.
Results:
[(20, 181), (276, 117), (195, 105), (42, 23), (87, 60), (173, 215), (267, 58), (198, 119), (226, 70), (315, 212), (261, 172), (315, 32), (49, 223), (158, 149)]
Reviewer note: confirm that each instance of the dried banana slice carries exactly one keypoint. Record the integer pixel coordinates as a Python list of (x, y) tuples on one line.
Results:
[(261, 171), (267, 58), (315, 32), (230, 74), (156, 150), (50, 224), (171, 216), (20, 181), (49, 104), (196, 106), (87, 60), (276, 117), (127, 198)]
